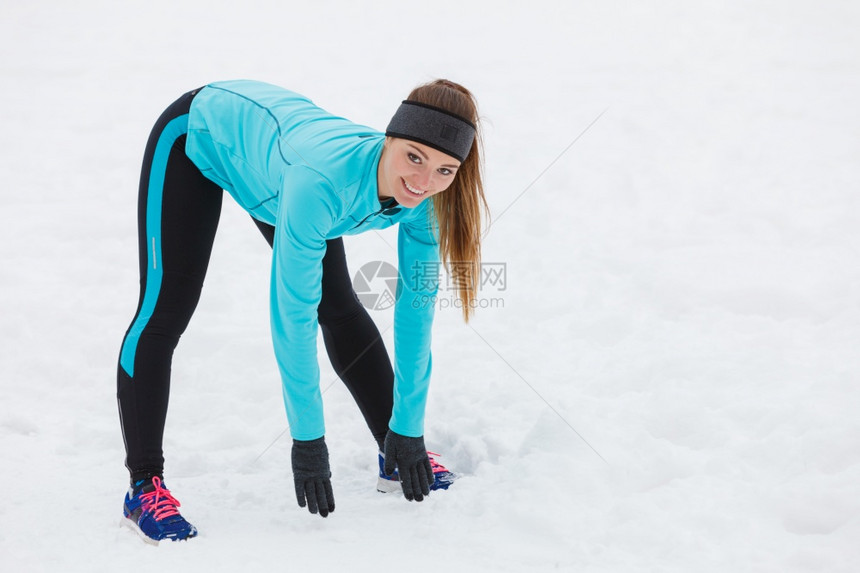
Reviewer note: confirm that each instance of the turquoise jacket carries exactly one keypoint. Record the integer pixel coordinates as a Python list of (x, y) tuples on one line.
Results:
[(313, 176)]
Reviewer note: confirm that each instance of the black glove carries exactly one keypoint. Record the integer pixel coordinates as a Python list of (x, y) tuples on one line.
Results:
[(312, 476), (410, 458)]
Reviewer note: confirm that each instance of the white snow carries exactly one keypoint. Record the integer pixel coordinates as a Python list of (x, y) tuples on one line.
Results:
[(671, 384)]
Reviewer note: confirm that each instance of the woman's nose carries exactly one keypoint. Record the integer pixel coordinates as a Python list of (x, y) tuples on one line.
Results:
[(422, 178)]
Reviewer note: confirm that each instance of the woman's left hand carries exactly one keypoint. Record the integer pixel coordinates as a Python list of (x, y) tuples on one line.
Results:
[(409, 457)]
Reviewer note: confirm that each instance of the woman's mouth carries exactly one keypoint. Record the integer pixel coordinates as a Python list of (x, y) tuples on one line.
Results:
[(413, 190)]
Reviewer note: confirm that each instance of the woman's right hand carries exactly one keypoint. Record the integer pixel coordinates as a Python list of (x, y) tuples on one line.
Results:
[(312, 476)]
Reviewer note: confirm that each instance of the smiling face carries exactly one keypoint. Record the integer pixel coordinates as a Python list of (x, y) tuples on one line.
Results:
[(411, 172)]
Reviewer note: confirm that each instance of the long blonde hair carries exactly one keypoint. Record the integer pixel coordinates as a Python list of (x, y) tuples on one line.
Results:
[(459, 210)]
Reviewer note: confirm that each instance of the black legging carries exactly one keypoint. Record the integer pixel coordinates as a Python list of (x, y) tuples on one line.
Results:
[(178, 213)]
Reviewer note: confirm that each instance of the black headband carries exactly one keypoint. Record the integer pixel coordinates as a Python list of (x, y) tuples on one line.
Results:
[(434, 127)]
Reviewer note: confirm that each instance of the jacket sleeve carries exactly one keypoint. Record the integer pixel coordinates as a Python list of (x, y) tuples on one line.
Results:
[(418, 260), (306, 212)]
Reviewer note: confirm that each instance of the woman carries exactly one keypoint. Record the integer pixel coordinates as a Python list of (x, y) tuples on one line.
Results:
[(307, 178)]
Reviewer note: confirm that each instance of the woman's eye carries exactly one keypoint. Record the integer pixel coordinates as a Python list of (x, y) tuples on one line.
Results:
[(413, 158), (445, 171)]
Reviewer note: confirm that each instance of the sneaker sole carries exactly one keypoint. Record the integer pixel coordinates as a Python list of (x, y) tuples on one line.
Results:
[(386, 486), (126, 522), (393, 486)]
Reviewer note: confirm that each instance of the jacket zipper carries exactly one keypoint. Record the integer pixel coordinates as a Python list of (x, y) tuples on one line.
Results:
[(390, 205)]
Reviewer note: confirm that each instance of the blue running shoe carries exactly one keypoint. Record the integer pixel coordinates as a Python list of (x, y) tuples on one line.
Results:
[(151, 511), (442, 478)]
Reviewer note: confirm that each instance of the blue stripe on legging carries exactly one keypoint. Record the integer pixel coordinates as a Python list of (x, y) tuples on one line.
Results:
[(155, 194)]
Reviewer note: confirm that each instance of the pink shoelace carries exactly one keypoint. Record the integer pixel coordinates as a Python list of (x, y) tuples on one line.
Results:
[(434, 465), (159, 501)]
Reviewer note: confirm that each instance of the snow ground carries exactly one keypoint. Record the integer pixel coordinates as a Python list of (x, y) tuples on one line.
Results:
[(671, 384)]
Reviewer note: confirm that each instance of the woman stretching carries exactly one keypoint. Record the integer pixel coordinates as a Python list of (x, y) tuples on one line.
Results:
[(307, 178)]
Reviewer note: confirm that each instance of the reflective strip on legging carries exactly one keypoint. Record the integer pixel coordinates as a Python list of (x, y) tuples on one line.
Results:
[(155, 192)]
